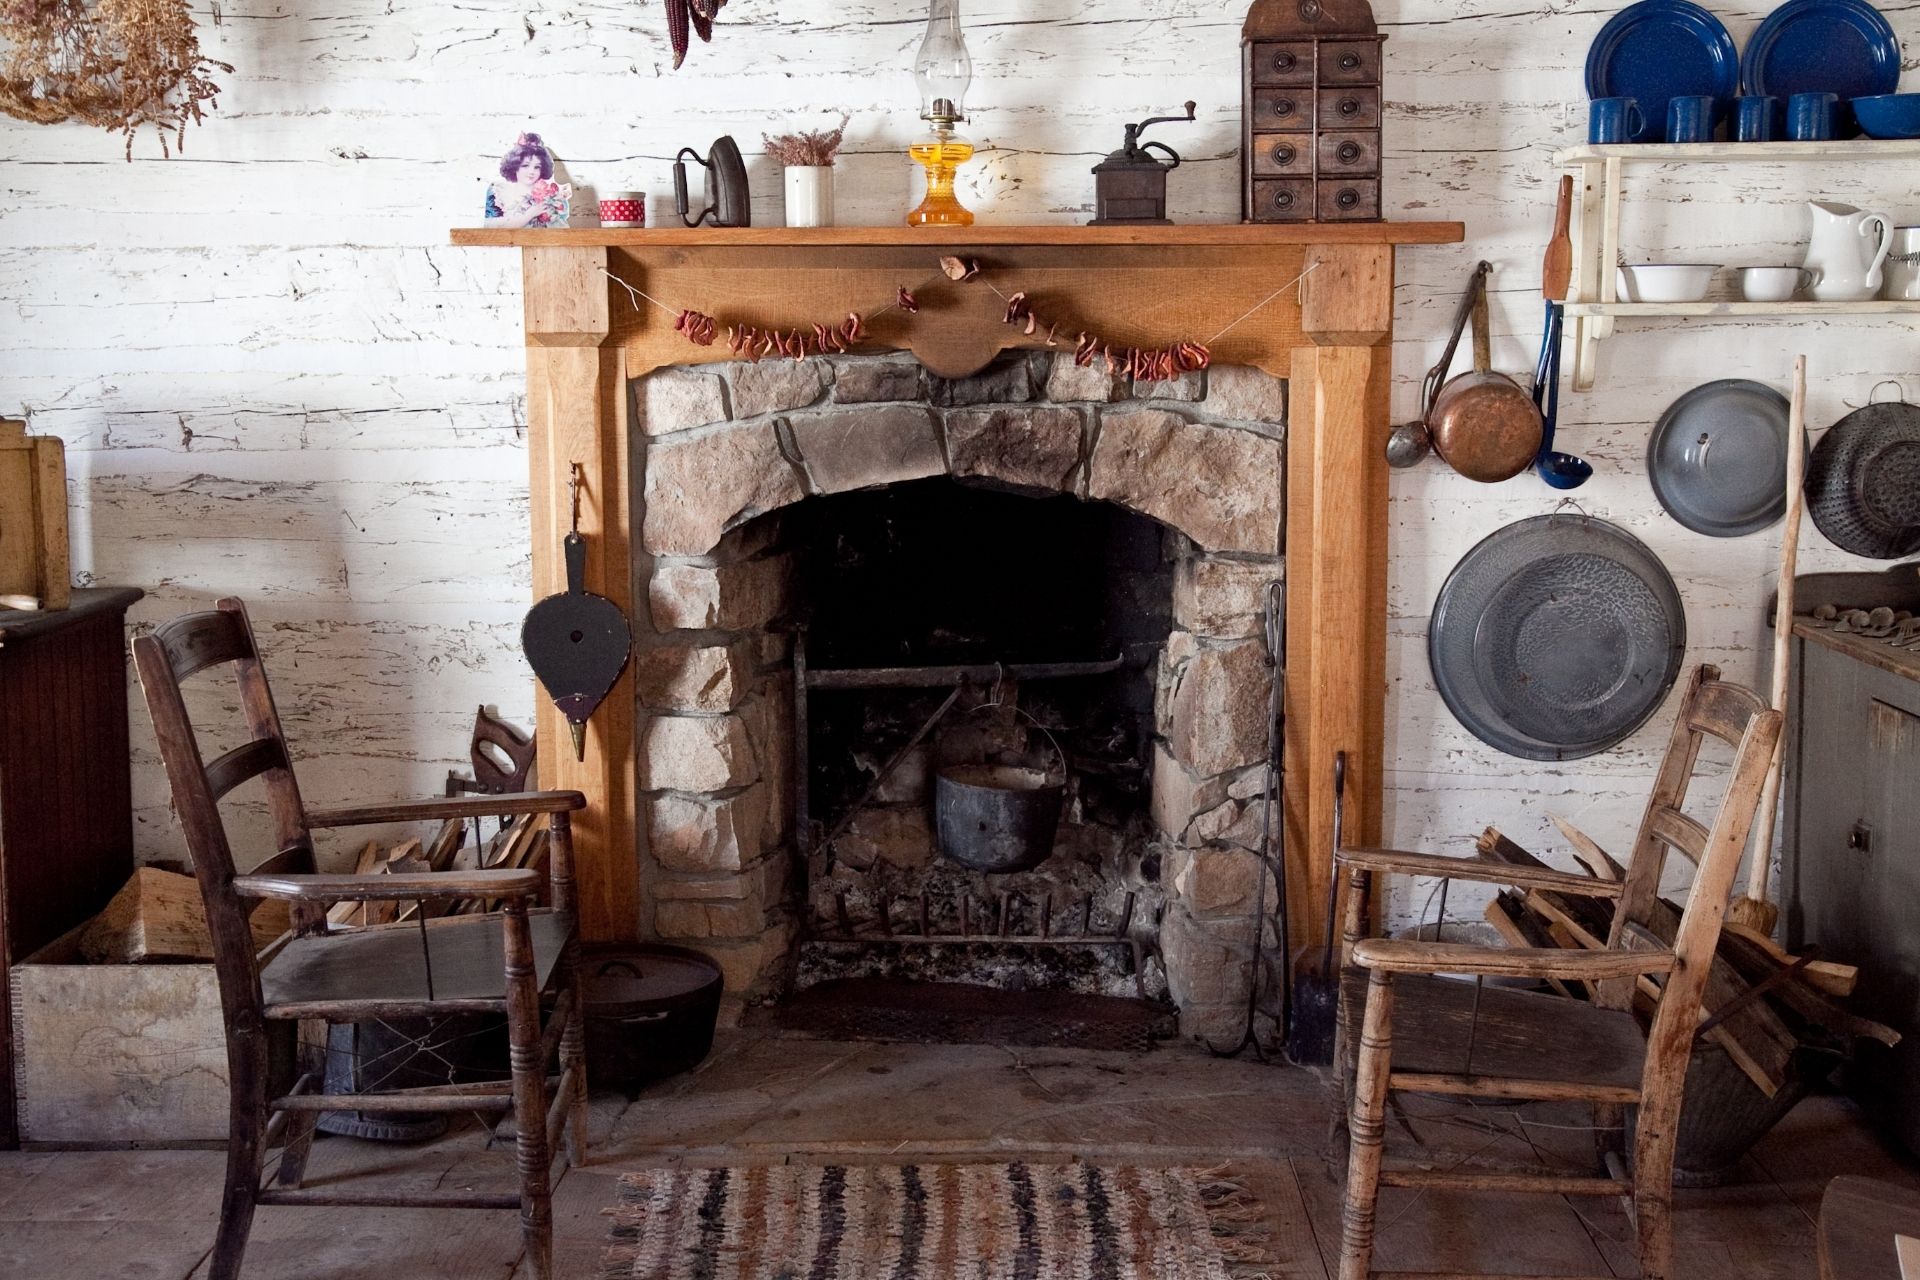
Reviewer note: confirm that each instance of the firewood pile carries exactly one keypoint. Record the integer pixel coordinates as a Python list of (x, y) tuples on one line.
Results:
[(520, 842), (1763, 1006)]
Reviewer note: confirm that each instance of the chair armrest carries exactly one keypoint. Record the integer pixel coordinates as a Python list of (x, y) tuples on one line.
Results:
[(1401, 955), (500, 883), (449, 807), (1485, 870)]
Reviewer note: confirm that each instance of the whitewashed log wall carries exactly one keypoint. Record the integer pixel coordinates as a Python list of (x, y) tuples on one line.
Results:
[(276, 380)]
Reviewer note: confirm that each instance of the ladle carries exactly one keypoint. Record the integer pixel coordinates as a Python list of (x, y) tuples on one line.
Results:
[(1560, 470)]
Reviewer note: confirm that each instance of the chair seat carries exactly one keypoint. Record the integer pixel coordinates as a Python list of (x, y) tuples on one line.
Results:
[(385, 965), (1518, 1035)]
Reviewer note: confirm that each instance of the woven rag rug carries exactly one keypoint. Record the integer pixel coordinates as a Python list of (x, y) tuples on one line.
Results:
[(936, 1222)]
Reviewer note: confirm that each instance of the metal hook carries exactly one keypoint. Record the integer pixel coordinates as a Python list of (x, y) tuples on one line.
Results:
[(1562, 505), (573, 490), (1888, 382)]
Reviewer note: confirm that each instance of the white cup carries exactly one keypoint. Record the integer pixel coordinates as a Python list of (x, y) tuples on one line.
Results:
[(1903, 267), (1773, 284)]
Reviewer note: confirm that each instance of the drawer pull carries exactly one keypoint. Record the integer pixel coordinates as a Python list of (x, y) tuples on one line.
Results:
[(1348, 152), (1350, 62), (1347, 198), (1860, 838), (1285, 60), (1283, 107), (1283, 199), (1283, 153), (1349, 106)]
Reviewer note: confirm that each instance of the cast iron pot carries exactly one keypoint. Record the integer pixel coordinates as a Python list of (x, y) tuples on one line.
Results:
[(996, 818), (650, 1012)]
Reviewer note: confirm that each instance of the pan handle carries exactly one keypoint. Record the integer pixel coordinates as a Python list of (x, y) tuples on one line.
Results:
[(1476, 289)]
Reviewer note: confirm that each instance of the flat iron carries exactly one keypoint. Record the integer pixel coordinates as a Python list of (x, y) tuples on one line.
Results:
[(728, 204)]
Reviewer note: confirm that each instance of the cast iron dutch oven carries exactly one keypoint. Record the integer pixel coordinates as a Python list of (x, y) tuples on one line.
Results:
[(650, 1012)]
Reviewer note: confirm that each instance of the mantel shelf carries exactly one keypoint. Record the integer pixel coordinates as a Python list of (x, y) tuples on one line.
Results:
[(1201, 235)]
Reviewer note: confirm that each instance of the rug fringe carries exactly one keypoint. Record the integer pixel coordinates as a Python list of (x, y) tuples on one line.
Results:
[(1241, 1226)]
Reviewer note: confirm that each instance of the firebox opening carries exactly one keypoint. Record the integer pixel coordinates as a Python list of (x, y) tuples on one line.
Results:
[(1059, 610)]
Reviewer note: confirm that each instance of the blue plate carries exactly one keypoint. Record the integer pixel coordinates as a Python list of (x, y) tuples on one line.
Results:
[(1824, 46), (1661, 49)]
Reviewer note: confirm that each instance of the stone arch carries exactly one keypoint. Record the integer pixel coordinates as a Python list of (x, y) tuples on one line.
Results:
[(719, 447)]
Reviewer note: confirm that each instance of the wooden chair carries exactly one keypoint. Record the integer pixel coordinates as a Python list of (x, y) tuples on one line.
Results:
[(503, 963), (1407, 1028)]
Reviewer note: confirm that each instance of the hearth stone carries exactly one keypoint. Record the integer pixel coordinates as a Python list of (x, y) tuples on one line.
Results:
[(1007, 380), (1220, 598), (678, 399), (700, 486), (773, 386), (1031, 448), (864, 446), (1222, 487), (1216, 716), (735, 596)]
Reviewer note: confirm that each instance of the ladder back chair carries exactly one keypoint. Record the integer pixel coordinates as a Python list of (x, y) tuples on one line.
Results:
[(504, 963), (1406, 1028)]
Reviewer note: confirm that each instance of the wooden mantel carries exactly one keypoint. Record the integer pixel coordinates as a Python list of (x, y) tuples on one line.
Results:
[(1330, 336)]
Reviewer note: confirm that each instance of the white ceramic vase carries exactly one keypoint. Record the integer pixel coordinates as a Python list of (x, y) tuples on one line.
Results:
[(809, 195)]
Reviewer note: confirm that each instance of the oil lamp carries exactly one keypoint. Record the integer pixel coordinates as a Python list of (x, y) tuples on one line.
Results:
[(942, 71)]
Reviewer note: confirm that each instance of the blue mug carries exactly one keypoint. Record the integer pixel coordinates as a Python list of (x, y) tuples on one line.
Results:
[(1611, 120), (1810, 116), (1690, 118), (1755, 118)]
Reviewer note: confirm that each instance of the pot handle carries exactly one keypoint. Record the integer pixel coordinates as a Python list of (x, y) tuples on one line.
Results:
[(1482, 336), (1476, 290)]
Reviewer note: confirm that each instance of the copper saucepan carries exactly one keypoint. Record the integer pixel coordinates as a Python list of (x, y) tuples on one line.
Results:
[(1484, 424)]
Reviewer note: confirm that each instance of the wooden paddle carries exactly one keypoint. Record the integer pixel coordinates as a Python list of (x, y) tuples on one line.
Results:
[(1556, 273), (1752, 909)]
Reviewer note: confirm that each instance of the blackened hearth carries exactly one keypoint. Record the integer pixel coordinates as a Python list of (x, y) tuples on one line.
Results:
[(935, 573)]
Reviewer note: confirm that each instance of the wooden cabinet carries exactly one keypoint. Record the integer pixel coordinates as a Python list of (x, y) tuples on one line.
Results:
[(66, 811), (1850, 872), (1310, 112)]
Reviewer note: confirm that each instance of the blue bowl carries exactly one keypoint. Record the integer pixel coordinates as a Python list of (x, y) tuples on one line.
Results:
[(1889, 115)]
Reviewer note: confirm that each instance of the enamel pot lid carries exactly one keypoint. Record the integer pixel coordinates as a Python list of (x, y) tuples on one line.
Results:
[(1717, 459)]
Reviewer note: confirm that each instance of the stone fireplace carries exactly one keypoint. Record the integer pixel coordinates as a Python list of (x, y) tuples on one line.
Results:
[(783, 498), (691, 471)]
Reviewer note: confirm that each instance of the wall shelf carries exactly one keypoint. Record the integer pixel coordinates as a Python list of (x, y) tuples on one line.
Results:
[(1804, 310), (1593, 304)]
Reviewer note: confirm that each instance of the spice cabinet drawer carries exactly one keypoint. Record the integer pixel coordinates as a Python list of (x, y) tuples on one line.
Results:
[(1288, 64), (1283, 200), (1282, 154), (1282, 109), (1351, 200), (1354, 108), (1357, 152), (1350, 62)]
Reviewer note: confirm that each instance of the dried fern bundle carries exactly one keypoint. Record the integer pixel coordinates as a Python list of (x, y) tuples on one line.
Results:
[(118, 64), (816, 147)]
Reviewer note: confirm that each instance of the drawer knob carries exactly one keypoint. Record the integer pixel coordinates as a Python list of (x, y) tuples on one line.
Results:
[(1349, 106), (1347, 198), (1283, 199), (1348, 152), (1860, 838), (1350, 62), (1283, 107), (1283, 153), (1285, 60)]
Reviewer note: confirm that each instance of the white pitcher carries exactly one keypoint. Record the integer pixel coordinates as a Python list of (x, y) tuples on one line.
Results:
[(1847, 252)]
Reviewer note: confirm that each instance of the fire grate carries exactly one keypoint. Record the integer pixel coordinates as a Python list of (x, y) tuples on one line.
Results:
[(960, 1013)]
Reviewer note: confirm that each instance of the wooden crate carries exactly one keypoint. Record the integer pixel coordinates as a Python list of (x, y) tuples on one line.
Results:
[(34, 572), (114, 1055)]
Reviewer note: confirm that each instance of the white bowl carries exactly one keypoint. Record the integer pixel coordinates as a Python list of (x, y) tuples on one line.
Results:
[(1665, 282)]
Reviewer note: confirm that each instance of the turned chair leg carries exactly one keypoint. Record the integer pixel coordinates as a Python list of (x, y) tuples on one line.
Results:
[(1367, 1129), (311, 1055), (573, 1057), (529, 1092), (246, 1134)]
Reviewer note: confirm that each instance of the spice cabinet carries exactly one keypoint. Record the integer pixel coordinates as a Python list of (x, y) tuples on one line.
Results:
[(1311, 112)]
